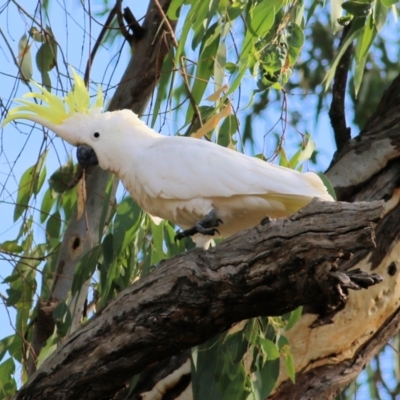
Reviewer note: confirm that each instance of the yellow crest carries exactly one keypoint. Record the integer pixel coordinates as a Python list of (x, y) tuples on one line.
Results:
[(56, 110)]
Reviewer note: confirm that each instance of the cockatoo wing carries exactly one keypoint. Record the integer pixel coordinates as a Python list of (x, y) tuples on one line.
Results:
[(186, 168)]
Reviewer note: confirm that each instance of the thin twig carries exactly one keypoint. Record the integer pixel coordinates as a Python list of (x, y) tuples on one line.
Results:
[(337, 113), (165, 19), (191, 98), (182, 68), (100, 38)]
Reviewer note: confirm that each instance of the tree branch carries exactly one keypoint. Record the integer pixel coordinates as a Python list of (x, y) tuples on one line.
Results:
[(370, 152), (196, 295), (337, 112)]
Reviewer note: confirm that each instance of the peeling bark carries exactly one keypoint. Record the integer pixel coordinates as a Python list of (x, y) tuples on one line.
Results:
[(196, 295)]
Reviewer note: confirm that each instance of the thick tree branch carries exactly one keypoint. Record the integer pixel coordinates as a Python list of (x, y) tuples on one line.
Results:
[(196, 295)]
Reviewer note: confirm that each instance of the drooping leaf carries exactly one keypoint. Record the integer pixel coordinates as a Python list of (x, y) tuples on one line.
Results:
[(62, 317), (53, 226), (86, 268), (355, 31), (60, 180), (30, 184), (8, 384), (25, 58), (294, 316)]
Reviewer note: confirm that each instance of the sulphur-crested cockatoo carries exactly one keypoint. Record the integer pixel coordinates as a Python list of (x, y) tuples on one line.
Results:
[(202, 187)]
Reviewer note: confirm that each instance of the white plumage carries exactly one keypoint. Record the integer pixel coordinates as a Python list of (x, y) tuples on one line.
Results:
[(183, 179)]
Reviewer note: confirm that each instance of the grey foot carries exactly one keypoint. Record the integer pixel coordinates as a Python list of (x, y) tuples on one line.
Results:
[(206, 226)]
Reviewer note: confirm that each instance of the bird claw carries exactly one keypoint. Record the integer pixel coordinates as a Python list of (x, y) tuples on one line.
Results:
[(206, 226)]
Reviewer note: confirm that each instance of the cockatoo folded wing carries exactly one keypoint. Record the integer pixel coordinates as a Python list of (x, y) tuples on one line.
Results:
[(187, 168)]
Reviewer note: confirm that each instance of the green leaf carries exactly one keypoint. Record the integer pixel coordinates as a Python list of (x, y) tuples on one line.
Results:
[(47, 204), (205, 66), (357, 8), (11, 246), (365, 40), (230, 67), (355, 31), (328, 185), (359, 73), (206, 370), (46, 81), (173, 9), (267, 377), (48, 349), (295, 40), (62, 317), (60, 180), (389, 3), (290, 368), (30, 184), (227, 129), (219, 65), (8, 384), (25, 58), (269, 348), (234, 10), (165, 77), (198, 16), (336, 13), (4, 345), (294, 316), (53, 225), (46, 56), (126, 223), (380, 14), (86, 268), (261, 19)]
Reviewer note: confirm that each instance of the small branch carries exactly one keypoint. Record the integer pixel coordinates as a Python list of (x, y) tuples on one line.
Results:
[(189, 93), (194, 296), (111, 15), (166, 21), (182, 62), (133, 24), (337, 110)]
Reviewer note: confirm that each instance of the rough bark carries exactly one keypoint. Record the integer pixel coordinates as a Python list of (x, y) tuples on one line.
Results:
[(327, 359), (196, 295), (372, 151), (133, 92)]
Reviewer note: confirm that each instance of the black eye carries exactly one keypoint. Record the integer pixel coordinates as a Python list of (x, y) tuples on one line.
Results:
[(96, 135)]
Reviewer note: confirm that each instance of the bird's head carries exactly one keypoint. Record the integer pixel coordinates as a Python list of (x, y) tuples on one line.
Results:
[(74, 119), (69, 117)]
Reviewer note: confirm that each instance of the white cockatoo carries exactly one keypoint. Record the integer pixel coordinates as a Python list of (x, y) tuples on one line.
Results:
[(202, 187)]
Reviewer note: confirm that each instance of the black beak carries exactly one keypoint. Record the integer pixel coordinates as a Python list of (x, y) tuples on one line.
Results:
[(86, 156)]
